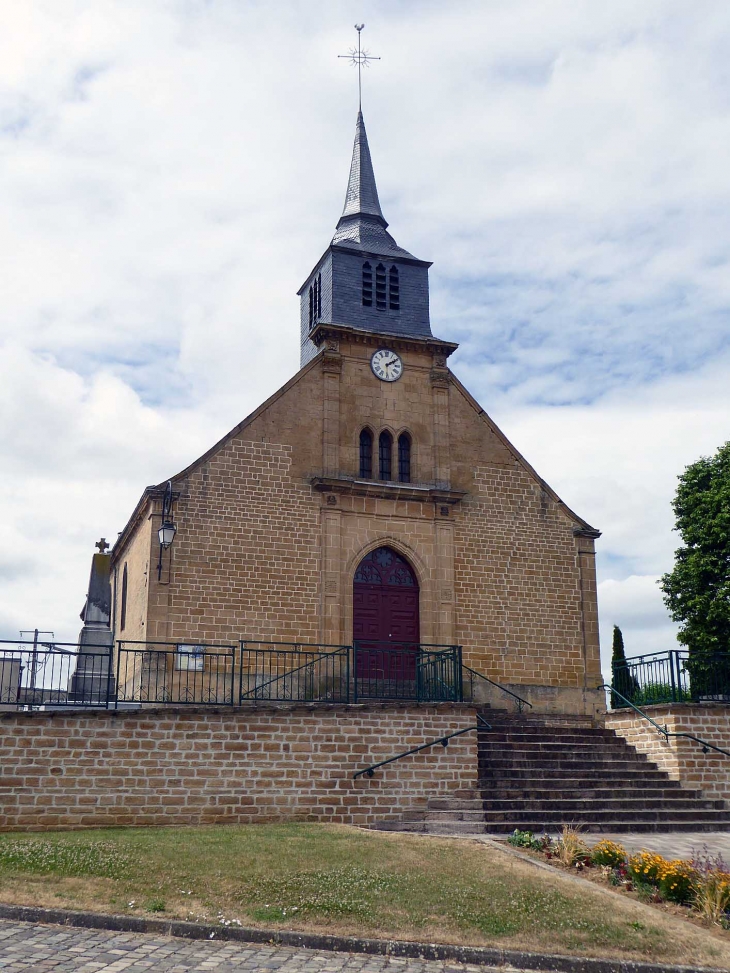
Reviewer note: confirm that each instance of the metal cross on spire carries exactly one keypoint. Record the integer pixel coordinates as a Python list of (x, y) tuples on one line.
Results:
[(362, 58)]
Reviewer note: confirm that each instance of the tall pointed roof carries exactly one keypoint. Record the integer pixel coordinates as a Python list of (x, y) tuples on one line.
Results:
[(362, 225), (362, 193)]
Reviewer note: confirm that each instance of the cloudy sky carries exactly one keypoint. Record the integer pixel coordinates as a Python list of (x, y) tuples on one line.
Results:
[(171, 169)]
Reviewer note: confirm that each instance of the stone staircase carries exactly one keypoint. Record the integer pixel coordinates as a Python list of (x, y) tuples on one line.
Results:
[(537, 775)]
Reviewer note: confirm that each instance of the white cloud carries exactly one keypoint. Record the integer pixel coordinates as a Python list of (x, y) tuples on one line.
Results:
[(171, 172)]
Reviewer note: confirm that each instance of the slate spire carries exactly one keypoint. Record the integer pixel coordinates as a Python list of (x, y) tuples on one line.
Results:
[(362, 193), (362, 225)]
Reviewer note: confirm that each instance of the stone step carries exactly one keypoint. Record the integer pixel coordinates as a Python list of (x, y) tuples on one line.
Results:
[(547, 734), (553, 746), (587, 828), (537, 769), (588, 793), (629, 815), (587, 806), (536, 776)]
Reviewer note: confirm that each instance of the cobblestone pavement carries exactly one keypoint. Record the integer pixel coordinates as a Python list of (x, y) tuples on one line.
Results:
[(27, 946)]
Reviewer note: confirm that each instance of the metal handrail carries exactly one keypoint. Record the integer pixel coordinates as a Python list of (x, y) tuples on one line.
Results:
[(520, 701), (662, 729), (444, 741)]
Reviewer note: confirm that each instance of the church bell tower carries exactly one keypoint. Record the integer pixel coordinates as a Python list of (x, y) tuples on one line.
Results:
[(364, 280)]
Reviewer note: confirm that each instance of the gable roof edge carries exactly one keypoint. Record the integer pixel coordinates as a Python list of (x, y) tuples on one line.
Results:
[(583, 527), (155, 488)]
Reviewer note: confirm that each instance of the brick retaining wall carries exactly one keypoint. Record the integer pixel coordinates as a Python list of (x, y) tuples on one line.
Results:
[(682, 759), (237, 766)]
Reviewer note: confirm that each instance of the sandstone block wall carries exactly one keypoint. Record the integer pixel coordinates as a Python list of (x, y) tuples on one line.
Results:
[(682, 759), (273, 522), (235, 766)]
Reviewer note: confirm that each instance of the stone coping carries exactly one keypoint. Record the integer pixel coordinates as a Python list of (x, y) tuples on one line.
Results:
[(474, 955), (256, 706), (682, 707)]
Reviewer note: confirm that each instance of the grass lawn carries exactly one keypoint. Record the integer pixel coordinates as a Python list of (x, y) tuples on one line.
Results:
[(335, 879)]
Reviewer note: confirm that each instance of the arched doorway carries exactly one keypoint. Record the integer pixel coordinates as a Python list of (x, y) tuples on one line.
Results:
[(385, 623)]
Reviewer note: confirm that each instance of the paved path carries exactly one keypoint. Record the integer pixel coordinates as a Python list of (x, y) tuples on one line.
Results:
[(58, 949), (676, 845)]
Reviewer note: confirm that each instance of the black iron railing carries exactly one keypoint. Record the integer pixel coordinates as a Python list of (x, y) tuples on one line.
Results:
[(670, 677), (34, 674), (705, 746), (472, 679), (43, 673), (179, 672), (481, 724), (294, 671), (406, 670)]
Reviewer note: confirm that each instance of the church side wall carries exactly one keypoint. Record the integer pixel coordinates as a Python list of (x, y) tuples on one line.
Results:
[(137, 555), (236, 766)]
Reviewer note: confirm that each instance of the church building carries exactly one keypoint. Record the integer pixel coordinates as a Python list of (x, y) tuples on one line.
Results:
[(371, 501)]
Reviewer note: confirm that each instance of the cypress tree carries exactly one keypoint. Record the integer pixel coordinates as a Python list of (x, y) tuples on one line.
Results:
[(621, 678)]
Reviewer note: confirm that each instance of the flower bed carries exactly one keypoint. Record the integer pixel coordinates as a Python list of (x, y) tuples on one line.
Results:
[(702, 884)]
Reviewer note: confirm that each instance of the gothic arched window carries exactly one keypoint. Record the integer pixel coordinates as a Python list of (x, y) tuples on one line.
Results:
[(393, 289), (380, 295), (404, 458), (366, 455), (319, 296), (367, 285), (385, 455), (123, 612)]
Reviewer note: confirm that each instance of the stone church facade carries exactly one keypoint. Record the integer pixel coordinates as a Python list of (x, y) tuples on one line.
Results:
[(370, 498)]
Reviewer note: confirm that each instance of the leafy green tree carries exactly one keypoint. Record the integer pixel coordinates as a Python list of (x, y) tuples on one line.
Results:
[(697, 590), (622, 680)]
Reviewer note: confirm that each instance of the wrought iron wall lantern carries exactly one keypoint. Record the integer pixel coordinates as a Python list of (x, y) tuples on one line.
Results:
[(167, 530)]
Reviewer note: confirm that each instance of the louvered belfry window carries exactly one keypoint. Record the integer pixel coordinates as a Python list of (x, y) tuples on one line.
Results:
[(385, 455), (315, 301), (367, 285), (366, 455), (404, 458), (380, 290), (393, 289)]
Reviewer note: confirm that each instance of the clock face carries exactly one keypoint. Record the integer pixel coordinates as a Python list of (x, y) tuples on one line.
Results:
[(386, 365)]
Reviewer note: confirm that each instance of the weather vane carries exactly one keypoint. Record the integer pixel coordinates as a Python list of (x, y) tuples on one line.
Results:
[(362, 59)]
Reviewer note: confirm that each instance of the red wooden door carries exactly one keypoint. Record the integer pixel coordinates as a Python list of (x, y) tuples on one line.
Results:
[(385, 615)]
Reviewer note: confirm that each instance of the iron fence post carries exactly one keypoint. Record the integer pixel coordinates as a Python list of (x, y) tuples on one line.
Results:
[(347, 673), (110, 661), (459, 675), (672, 665), (241, 644), (119, 662), (354, 671)]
